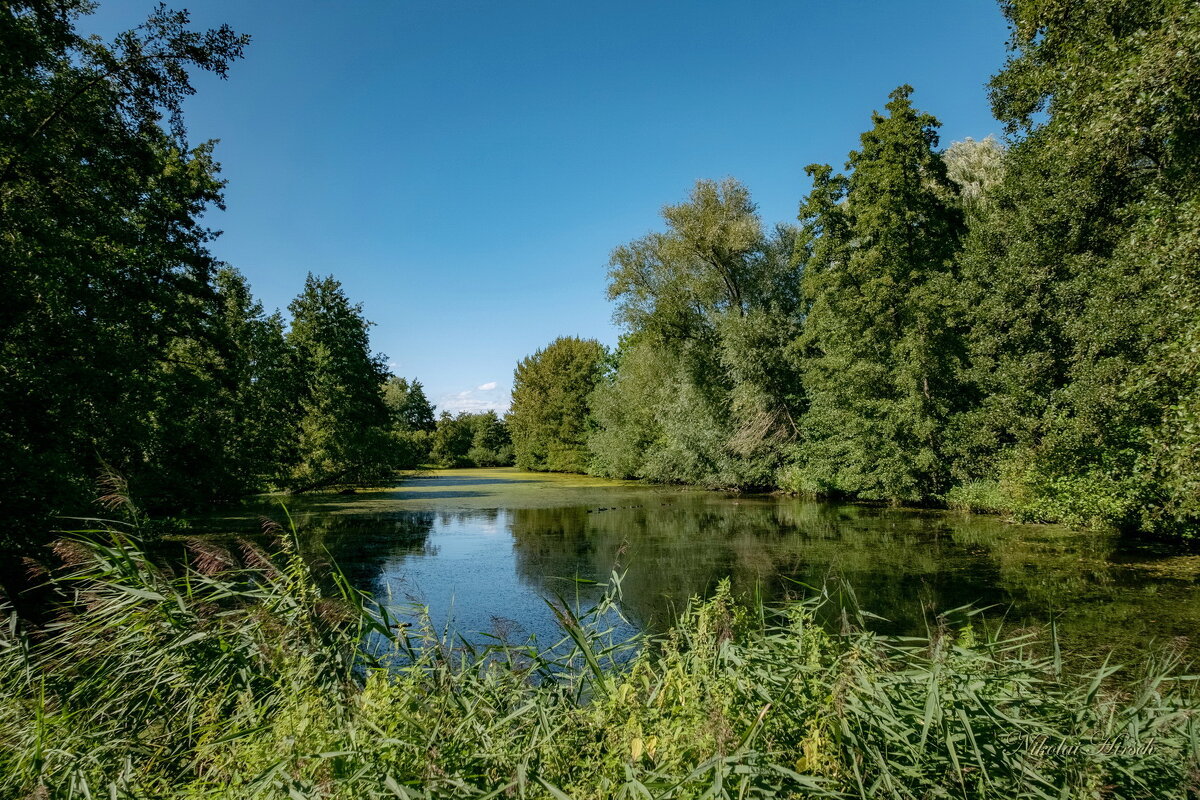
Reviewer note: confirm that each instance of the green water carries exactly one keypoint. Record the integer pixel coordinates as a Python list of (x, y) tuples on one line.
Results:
[(484, 548)]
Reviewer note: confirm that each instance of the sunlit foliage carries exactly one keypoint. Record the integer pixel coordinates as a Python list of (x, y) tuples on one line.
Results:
[(549, 418)]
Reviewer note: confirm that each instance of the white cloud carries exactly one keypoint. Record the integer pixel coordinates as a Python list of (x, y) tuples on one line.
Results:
[(483, 397), (455, 402), (475, 405)]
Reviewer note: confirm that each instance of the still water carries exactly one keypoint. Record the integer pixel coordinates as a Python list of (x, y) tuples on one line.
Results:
[(484, 549)]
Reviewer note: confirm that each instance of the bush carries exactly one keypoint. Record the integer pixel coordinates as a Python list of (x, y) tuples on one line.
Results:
[(981, 497), (1091, 499), (803, 481), (1030, 493)]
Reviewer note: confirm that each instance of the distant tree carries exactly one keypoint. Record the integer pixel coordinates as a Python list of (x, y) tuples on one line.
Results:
[(881, 354), (344, 429), (471, 440), (491, 445), (413, 422), (411, 409), (548, 421), (452, 440)]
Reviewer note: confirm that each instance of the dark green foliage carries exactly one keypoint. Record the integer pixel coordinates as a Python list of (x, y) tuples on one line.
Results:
[(345, 426), (106, 263), (549, 418), (1082, 268), (228, 406), (260, 372), (126, 349), (471, 440), (631, 407), (881, 353)]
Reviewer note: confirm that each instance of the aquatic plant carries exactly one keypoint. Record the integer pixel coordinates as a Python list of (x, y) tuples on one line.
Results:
[(245, 674)]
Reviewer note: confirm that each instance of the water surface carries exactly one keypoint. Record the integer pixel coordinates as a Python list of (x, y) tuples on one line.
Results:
[(485, 548)]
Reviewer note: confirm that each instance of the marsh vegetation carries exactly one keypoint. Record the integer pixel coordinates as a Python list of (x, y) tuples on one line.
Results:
[(236, 675)]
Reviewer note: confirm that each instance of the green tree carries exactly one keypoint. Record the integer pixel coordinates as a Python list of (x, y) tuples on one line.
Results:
[(344, 429), (631, 406), (656, 421), (107, 266), (491, 445), (704, 388), (548, 421), (259, 373), (452, 440), (881, 353), (1085, 292), (224, 418), (410, 408), (413, 422)]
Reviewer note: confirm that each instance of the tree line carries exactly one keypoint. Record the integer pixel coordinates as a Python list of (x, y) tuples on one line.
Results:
[(129, 353), (1010, 327)]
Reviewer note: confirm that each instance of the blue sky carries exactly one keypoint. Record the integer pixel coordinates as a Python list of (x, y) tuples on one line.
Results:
[(465, 167)]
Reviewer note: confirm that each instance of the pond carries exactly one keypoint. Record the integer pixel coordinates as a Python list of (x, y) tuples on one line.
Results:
[(485, 548)]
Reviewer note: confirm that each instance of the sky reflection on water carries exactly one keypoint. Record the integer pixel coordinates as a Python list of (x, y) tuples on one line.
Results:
[(484, 549)]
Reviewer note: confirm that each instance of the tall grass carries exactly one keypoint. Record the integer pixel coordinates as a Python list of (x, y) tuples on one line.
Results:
[(237, 677)]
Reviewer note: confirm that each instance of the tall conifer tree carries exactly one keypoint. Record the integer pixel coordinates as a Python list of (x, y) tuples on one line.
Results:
[(881, 356), (344, 421)]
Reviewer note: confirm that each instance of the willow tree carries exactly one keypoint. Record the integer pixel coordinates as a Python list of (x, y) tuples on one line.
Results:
[(881, 354), (702, 390)]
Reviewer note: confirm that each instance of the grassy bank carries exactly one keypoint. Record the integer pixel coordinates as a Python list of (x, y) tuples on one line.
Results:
[(247, 676)]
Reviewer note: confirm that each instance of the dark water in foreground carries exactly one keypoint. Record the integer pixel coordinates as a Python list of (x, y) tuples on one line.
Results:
[(482, 548)]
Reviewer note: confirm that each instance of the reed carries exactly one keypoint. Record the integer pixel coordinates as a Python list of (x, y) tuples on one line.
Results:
[(244, 675)]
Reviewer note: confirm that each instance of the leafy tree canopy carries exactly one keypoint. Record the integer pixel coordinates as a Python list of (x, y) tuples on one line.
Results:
[(550, 413)]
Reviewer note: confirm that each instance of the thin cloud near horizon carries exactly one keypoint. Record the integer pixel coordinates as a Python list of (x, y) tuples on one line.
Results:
[(467, 400)]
